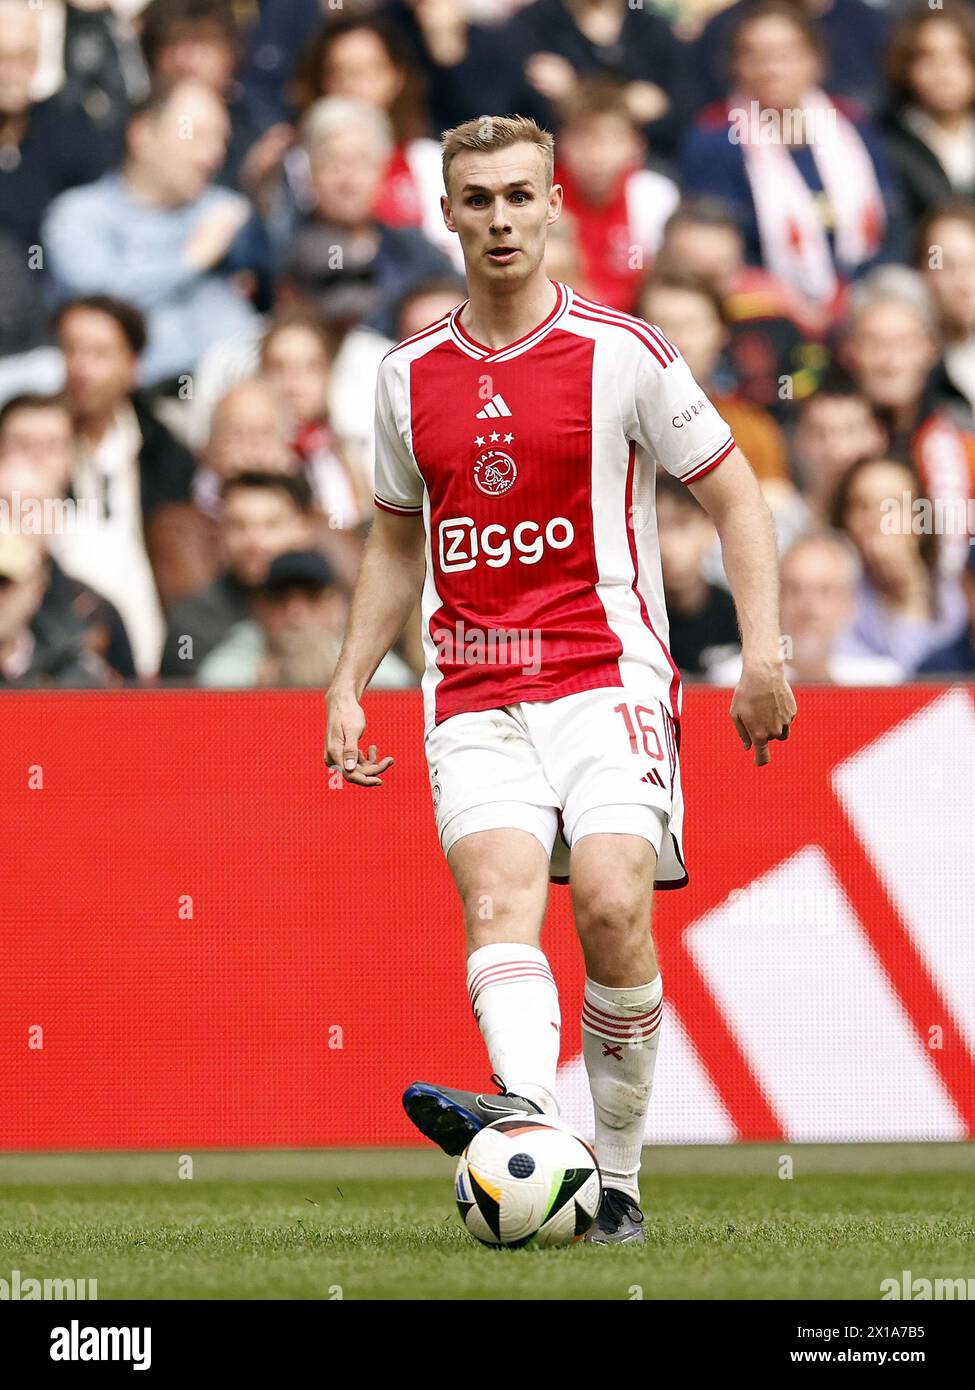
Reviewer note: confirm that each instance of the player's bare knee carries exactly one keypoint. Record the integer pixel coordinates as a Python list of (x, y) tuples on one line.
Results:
[(612, 915)]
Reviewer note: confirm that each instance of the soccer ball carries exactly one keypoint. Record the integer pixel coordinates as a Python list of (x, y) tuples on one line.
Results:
[(527, 1180)]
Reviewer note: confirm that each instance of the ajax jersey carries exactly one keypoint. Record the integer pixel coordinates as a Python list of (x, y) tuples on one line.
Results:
[(533, 466)]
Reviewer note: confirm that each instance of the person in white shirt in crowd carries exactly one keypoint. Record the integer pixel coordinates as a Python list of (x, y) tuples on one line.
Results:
[(818, 580), (126, 460)]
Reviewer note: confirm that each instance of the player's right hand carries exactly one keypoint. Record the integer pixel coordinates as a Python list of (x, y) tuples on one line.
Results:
[(346, 724)]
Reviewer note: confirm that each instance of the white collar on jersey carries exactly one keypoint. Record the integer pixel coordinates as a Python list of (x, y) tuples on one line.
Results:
[(477, 350)]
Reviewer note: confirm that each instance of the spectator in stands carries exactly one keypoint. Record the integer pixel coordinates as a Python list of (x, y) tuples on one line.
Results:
[(618, 205), (33, 508), (103, 555), (45, 146), (853, 36), (295, 635), (364, 58), (890, 346), (296, 356), (36, 650), (344, 263), (469, 68), (262, 516), (818, 577), (427, 302), (835, 428), (958, 657), (104, 72), (809, 183), (275, 41), (945, 256), (905, 607), (127, 459), (159, 235), (248, 434), (352, 379), (39, 428), (703, 626), (929, 127), (772, 335), (691, 314), (201, 41), (23, 317), (560, 41)]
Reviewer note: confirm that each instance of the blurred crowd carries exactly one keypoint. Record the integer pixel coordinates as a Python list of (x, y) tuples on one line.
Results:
[(217, 217)]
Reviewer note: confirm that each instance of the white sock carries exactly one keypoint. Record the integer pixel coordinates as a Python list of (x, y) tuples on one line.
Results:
[(516, 1005), (620, 1028)]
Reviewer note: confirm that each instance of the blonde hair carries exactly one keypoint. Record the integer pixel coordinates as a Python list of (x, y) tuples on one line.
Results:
[(497, 133)]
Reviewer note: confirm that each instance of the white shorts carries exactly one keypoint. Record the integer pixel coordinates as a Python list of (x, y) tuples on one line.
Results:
[(600, 762)]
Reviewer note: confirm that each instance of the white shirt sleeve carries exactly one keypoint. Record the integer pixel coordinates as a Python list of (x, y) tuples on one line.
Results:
[(675, 421), (399, 486)]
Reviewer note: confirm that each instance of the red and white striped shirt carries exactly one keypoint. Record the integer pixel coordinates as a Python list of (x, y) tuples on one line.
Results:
[(533, 466)]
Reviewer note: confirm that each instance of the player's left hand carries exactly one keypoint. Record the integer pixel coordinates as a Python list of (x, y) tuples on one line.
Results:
[(762, 709)]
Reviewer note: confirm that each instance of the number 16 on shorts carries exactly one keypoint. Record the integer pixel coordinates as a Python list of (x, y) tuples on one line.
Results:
[(649, 731)]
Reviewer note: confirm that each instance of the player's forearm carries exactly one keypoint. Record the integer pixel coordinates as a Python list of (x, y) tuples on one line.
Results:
[(387, 591), (744, 525), (751, 564)]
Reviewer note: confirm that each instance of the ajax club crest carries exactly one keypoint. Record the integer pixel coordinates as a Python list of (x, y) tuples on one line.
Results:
[(495, 472)]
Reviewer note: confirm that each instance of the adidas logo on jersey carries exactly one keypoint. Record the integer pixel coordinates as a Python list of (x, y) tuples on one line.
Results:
[(495, 407)]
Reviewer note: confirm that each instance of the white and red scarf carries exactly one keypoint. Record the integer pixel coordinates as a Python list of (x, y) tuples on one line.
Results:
[(795, 247)]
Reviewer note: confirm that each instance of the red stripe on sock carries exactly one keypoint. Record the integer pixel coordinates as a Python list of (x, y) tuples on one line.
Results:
[(621, 1018), (619, 1033)]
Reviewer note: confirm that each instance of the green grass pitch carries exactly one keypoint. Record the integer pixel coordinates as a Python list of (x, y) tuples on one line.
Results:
[(721, 1223)]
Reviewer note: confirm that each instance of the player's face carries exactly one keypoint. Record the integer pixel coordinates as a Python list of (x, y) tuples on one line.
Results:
[(500, 206)]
